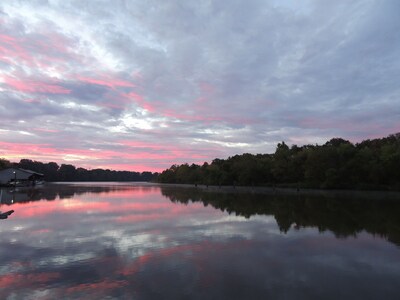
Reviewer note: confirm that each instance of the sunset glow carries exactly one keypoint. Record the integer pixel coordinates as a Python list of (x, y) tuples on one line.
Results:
[(140, 86)]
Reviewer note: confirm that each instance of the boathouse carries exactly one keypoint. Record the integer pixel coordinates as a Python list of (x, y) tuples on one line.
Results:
[(20, 177)]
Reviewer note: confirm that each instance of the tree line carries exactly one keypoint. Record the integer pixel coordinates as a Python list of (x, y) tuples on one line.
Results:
[(337, 164), (66, 172)]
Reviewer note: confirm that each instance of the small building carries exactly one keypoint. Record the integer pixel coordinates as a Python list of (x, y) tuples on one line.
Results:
[(20, 177)]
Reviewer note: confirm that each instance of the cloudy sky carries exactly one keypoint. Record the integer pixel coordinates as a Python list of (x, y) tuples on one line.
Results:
[(140, 85)]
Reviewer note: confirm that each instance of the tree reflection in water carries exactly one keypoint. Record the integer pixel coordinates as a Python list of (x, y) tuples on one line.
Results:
[(5, 214), (130, 242), (50, 192), (344, 215)]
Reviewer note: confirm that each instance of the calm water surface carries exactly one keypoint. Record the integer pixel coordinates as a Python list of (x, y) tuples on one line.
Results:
[(110, 241)]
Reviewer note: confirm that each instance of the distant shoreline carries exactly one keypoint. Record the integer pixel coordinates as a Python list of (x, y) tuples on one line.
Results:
[(239, 189), (285, 190)]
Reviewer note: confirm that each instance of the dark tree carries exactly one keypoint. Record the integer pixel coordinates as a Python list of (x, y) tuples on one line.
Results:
[(338, 164)]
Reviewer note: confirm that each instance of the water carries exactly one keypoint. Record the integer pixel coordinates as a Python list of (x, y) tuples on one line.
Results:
[(143, 241)]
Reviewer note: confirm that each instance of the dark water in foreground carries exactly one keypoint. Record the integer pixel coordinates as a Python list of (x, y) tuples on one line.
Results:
[(152, 242)]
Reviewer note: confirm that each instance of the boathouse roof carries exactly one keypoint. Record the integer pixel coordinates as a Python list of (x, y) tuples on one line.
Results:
[(10, 174)]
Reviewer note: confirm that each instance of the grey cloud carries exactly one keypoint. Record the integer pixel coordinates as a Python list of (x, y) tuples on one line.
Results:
[(227, 66), (87, 93)]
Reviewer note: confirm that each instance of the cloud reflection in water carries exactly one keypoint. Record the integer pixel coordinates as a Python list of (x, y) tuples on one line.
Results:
[(147, 242)]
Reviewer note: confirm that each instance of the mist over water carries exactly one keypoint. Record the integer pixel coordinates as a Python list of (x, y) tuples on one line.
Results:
[(144, 241)]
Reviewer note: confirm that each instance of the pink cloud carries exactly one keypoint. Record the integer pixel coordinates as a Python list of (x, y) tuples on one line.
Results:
[(119, 100), (34, 86), (97, 287), (26, 280), (107, 81), (136, 167), (10, 49), (139, 100), (94, 159), (177, 150), (110, 154), (48, 50), (7, 39), (143, 145), (32, 100), (20, 149), (130, 155), (45, 130), (201, 113)]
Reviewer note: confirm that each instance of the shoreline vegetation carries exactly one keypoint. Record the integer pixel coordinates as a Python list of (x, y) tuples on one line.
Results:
[(336, 165), (372, 165), (53, 172), (286, 191)]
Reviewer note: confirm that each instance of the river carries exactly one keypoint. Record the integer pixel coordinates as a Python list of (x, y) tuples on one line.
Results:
[(148, 241)]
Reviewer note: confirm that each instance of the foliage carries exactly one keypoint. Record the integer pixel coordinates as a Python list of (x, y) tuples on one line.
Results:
[(4, 163), (66, 172), (338, 164)]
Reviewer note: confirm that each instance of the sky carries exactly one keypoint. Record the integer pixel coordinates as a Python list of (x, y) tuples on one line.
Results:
[(141, 85)]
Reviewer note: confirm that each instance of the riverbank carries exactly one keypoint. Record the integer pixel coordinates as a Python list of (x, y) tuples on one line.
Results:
[(285, 190)]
